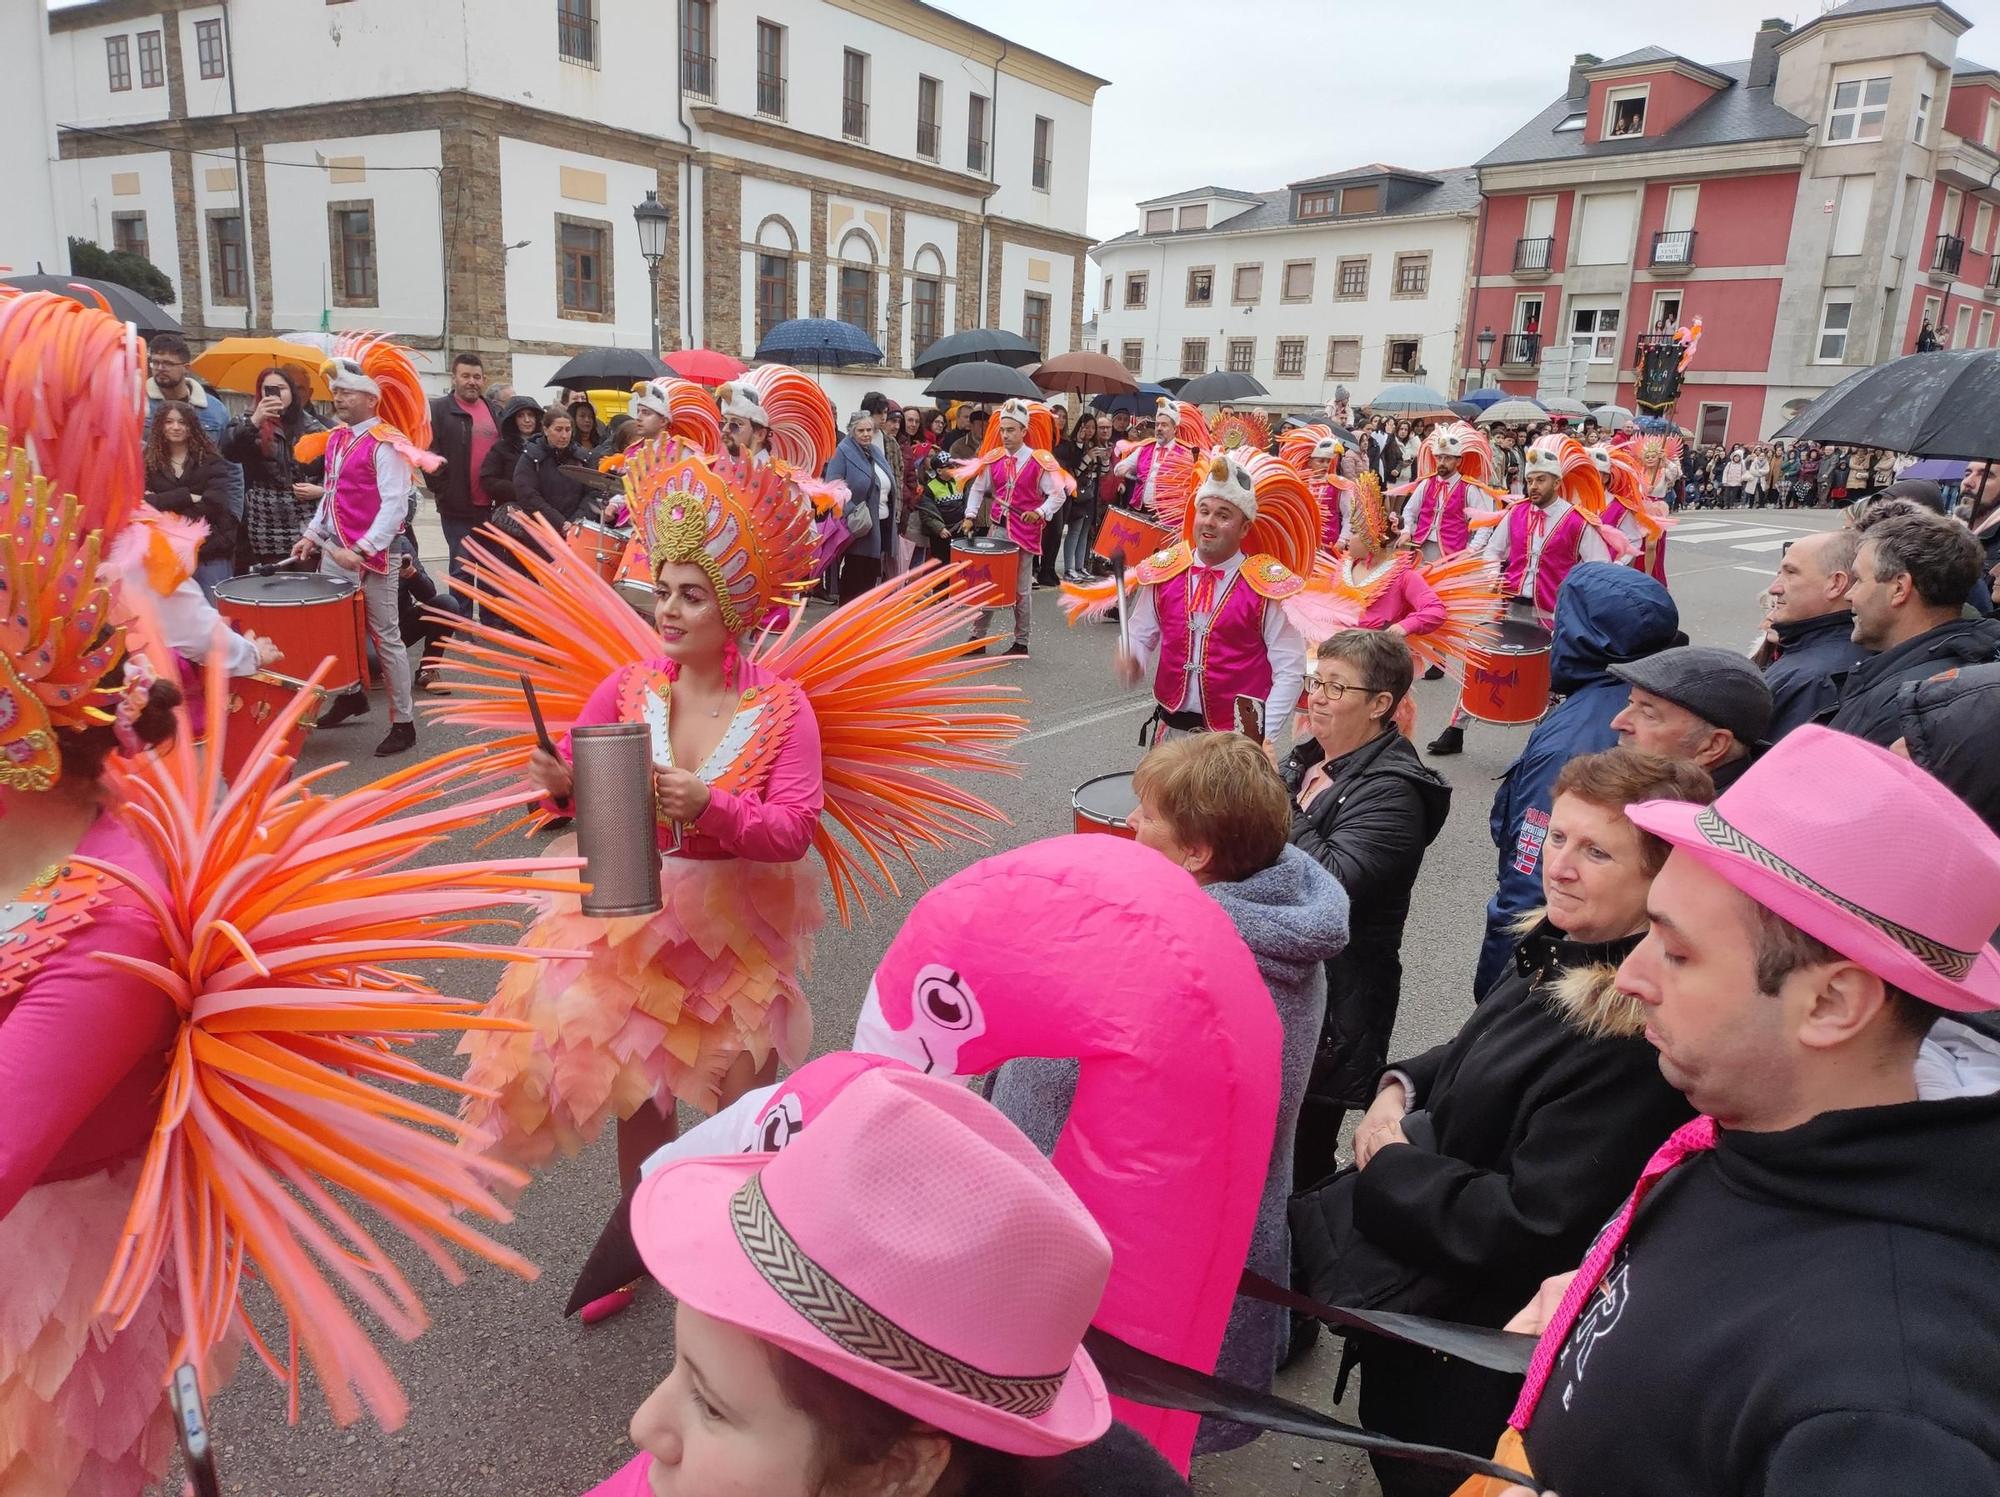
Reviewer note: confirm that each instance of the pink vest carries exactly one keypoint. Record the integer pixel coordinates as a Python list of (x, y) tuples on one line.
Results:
[(1652, 552), (1329, 509), (1454, 531), (1018, 496), (1559, 555), (1230, 660), (1142, 469), (356, 501)]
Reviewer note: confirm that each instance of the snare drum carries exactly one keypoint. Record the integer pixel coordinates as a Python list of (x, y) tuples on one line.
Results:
[(308, 616), (1130, 532), (1103, 804), (600, 545), (992, 566), (639, 594), (1509, 682), (253, 702)]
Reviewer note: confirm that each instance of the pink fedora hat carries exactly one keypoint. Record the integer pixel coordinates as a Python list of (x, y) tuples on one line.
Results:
[(912, 1243), (1862, 850)]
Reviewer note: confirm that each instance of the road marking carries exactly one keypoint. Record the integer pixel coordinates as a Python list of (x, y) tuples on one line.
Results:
[(1119, 707), (1777, 545), (1764, 572), (1742, 533)]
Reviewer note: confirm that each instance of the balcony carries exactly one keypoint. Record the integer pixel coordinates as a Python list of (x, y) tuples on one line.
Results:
[(854, 118), (1532, 257), (1993, 276), (698, 76), (1949, 250), (771, 95), (576, 36), (1521, 351), (1673, 249)]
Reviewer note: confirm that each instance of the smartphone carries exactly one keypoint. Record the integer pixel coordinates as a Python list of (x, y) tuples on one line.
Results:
[(1250, 718), (191, 1424)]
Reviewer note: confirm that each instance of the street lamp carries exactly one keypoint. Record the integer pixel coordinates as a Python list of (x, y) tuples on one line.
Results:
[(1485, 340), (652, 217)]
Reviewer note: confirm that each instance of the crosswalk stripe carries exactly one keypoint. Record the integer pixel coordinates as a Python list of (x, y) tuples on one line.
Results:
[(1742, 533), (1777, 545)]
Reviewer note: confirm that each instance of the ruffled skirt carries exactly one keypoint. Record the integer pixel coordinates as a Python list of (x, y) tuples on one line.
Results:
[(658, 1012)]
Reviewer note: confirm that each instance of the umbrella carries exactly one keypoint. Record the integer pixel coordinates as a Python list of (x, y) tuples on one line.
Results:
[(1936, 470), (1519, 411), (1659, 426), (1219, 386), (983, 344), (1339, 431), (818, 341), (1174, 385), (703, 365), (1141, 402), (1408, 400), (126, 304), (1613, 417), (1485, 396), (1931, 404), (1085, 374), (1465, 410), (982, 380), (235, 363), (608, 369), (1562, 405)]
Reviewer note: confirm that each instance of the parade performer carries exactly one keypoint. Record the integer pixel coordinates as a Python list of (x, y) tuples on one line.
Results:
[(1628, 509), (1027, 488), (1316, 453), (1443, 610), (1451, 499), (384, 432), (153, 559), (1179, 429)]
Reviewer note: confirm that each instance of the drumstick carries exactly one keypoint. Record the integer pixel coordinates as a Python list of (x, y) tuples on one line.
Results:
[(191, 1424), (1124, 601), (541, 727)]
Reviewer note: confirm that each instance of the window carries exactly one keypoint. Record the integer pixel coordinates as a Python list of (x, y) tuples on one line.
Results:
[(1596, 329), (128, 235), (857, 297), (226, 284), (118, 62), (1193, 216), (1604, 230), (854, 94), (1834, 314), (1985, 339), (1666, 311), (1528, 314), (928, 93), (1159, 220), (1857, 111), (152, 60), (1201, 287), (1242, 355), (1852, 197), (1948, 220), (1989, 131), (1343, 358), (208, 47), (1625, 111), (1961, 336), (1194, 356), (582, 249), (1352, 284), (1035, 320), (351, 230), (1920, 122), (1291, 358), (1413, 275), (1246, 286), (1712, 423), (926, 296), (1135, 288), (1400, 357), (1315, 204), (775, 291), (1297, 284), (576, 31), (1982, 225), (1132, 354), (975, 133), (698, 47), (1045, 145), (771, 69), (1933, 309), (1361, 199), (1570, 121)]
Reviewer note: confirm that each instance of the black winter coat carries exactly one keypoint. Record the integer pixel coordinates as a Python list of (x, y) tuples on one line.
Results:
[(1869, 706), (199, 492), (1805, 675), (541, 485), (451, 439), (1369, 829)]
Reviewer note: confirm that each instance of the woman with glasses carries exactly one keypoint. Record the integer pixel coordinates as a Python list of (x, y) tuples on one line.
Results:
[(280, 494)]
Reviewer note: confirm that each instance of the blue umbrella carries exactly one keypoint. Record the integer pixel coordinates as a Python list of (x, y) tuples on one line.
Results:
[(819, 341), (1485, 397), (1141, 402)]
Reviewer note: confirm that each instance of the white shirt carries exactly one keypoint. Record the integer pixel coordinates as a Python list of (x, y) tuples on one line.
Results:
[(1494, 544), (1284, 649), (191, 628), (1477, 502), (393, 478), (1128, 467), (1051, 487)]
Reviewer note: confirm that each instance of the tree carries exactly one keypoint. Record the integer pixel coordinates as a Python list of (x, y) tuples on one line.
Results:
[(135, 272)]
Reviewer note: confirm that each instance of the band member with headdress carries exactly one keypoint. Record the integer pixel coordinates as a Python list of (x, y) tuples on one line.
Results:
[(1179, 430), (1444, 610), (1316, 452), (1027, 488), (1452, 497), (1629, 510)]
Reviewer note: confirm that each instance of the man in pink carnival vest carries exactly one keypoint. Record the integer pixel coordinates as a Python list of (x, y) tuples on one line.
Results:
[(1142, 463), (1208, 621), (1027, 489), (1438, 517), (1537, 543), (354, 531)]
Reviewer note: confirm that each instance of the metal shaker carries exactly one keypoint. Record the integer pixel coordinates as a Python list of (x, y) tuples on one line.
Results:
[(615, 828)]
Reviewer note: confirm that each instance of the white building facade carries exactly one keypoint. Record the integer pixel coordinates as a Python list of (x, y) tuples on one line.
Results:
[(1356, 279), (465, 177)]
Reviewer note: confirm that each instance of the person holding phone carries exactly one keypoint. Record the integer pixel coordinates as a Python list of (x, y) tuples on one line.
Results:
[(280, 492)]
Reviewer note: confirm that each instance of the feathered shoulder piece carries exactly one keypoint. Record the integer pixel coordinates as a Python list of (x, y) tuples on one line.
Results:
[(73, 392), (963, 473), (1164, 566), (157, 549)]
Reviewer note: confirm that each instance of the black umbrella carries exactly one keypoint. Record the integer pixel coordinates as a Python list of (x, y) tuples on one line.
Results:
[(1930, 404), (127, 305), (983, 344), (1174, 384), (981, 380), (1329, 423), (609, 369), (1219, 387)]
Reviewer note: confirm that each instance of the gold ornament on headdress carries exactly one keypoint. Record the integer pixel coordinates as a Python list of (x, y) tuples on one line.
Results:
[(747, 529)]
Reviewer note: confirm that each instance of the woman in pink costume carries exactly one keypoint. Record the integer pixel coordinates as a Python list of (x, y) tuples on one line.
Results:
[(1444, 609)]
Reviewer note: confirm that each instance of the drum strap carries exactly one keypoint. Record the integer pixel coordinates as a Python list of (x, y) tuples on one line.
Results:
[(1179, 722)]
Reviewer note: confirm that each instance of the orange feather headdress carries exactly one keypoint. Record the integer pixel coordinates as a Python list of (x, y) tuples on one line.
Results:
[(746, 528), (691, 413), (796, 412), (73, 394), (1471, 446)]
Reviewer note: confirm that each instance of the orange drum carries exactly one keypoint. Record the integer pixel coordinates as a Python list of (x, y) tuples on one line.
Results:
[(1509, 684), (633, 566), (600, 545), (308, 616), (992, 565), (253, 702), (1128, 531), (1103, 804)]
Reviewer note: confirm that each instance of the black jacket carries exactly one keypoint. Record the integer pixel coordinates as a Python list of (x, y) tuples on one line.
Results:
[(276, 470), (451, 439), (1805, 675), (200, 492), (541, 485), (1813, 1311), (496, 474), (1369, 829), (1868, 693), (1118, 1464)]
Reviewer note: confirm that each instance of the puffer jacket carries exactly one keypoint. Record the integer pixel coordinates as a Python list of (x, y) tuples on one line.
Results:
[(1870, 706)]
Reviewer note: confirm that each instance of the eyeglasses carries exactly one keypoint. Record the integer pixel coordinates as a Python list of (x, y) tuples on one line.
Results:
[(1319, 686)]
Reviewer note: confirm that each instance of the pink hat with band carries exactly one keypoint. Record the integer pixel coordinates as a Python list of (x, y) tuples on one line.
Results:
[(1862, 850), (912, 1243)]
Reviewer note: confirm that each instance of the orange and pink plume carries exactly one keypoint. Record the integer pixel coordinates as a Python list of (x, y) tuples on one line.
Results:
[(73, 394)]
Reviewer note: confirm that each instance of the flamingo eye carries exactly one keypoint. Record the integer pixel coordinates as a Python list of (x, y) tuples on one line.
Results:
[(779, 1127), (944, 999)]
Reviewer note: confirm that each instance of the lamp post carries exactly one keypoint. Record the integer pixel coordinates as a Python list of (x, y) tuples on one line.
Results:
[(1485, 340), (652, 218)]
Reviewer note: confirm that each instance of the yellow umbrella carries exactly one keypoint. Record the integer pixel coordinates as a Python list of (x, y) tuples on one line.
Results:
[(235, 363)]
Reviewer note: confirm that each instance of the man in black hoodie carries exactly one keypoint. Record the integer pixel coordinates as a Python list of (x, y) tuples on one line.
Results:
[(1802, 1301)]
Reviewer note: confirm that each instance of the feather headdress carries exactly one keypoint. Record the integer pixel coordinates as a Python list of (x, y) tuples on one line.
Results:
[(73, 394)]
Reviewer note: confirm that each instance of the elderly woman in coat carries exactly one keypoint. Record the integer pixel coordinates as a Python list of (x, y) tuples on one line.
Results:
[(871, 489)]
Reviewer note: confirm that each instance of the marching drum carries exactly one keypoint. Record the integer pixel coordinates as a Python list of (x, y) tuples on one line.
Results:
[(1103, 804), (600, 545), (308, 616), (253, 702), (639, 594), (1128, 531), (992, 565), (1509, 683)]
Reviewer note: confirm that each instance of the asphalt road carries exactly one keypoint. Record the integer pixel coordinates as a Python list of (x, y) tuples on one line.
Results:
[(507, 1396)]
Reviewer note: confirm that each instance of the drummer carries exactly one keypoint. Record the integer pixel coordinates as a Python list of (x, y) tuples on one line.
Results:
[(154, 559), (1028, 488), (1175, 425), (1438, 518)]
